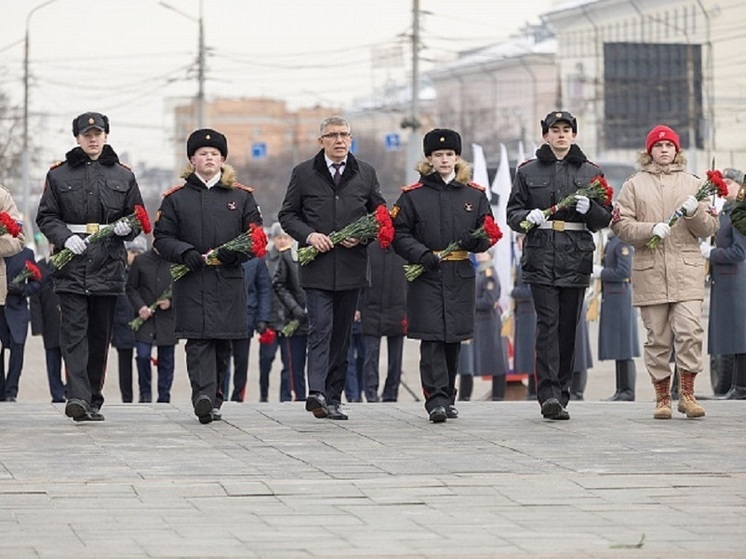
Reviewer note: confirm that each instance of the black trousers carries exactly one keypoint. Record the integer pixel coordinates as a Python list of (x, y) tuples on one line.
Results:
[(207, 361), (86, 323), (330, 316), (557, 314), (370, 368), (438, 367)]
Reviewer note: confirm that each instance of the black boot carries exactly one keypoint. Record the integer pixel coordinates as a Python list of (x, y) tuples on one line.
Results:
[(498, 388), (531, 393), (628, 378), (738, 388), (466, 385), (578, 384)]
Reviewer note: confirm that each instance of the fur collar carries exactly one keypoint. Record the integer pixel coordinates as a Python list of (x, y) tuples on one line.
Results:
[(77, 157), (575, 156), (228, 178), (645, 162), (463, 170)]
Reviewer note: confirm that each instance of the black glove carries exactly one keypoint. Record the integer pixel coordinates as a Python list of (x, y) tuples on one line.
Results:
[(261, 326), (15, 288), (299, 313), (193, 260), (230, 257), (468, 242), (430, 261)]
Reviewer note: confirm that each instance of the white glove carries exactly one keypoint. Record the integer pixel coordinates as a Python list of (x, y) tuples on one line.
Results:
[(661, 230), (536, 216), (75, 244), (690, 205), (705, 248), (597, 268), (122, 228), (582, 204)]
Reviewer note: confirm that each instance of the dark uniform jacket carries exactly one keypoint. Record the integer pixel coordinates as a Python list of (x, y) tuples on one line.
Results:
[(209, 303), (45, 308), (258, 292), (558, 258), (16, 315), (290, 297), (314, 204), (383, 305), (428, 216), (80, 191), (149, 278), (489, 357), (617, 328)]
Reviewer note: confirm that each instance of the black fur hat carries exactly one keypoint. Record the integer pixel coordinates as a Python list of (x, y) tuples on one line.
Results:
[(83, 123), (441, 138), (207, 137)]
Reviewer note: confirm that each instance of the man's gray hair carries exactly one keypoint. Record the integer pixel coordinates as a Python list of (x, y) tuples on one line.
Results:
[(333, 121)]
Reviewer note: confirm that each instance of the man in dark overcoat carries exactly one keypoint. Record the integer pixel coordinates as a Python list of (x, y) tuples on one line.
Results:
[(325, 194), (442, 207), (148, 282), (209, 209)]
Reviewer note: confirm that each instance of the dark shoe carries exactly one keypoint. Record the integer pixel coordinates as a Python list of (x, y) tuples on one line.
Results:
[(551, 408), (96, 414), (216, 415), (76, 408), (576, 397), (451, 412), (90, 416), (316, 404), (203, 409), (438, 414), (563, 414), (10, 399), (735, 393), (333, 412)]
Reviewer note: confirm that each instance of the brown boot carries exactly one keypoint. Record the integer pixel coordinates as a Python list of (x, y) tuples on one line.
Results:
[(687, 402), (662, 398)]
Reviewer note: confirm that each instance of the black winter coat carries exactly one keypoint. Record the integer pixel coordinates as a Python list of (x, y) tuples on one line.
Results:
[(559, 258), (289, 295), (80, 191), (45, 308), (383, 305), (428, 216), (16, 315), (150, 277), (209, 303), (314, 204)]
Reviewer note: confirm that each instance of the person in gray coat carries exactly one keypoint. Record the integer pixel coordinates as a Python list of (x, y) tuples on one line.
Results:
[(617, 330), (727, 324)]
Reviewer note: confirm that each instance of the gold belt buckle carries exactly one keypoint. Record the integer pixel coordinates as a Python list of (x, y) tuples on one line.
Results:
[(91, 228), (558, 225)]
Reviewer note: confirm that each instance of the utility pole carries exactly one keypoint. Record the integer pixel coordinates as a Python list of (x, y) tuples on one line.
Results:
[(413, 122)]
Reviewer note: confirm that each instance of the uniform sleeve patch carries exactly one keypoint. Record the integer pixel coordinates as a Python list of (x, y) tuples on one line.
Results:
[(394, 211)]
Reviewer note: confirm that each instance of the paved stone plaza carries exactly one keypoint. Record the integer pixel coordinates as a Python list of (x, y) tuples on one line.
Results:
[(272, 481)]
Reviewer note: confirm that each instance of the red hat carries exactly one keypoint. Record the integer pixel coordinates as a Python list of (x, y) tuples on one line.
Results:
[(660, 133)]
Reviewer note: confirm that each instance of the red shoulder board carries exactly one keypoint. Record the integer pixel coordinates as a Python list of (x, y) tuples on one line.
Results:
[(527, 161), (125, 166), (242, 187), (413, 186), (56, 164), (172, 190), (477, 186)]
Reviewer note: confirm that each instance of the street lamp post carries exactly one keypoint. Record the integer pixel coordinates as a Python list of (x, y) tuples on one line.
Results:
[(200, 59), (25, 156)]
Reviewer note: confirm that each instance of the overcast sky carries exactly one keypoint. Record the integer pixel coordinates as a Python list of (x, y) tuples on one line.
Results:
[(134, 59)]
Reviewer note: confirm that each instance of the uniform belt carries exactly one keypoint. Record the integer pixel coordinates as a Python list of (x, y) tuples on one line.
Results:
[(84, 228), (455, 255), (559, 225)]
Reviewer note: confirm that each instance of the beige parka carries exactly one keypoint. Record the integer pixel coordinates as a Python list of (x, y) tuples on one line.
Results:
[(675, 270), (8, 245)]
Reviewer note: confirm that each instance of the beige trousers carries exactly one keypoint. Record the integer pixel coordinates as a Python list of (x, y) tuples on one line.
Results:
[(676, 326)]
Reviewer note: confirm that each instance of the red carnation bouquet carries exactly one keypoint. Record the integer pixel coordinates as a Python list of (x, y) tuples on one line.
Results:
[(267, 337), (597, 189), (488, 230), (30, 271), (714, 184), (253, 241), (138, 221), (9, 225), (373, 225)]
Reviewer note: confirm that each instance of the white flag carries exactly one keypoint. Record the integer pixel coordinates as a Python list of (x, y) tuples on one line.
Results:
[(521, 154), (503, 258), (480, 166)]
